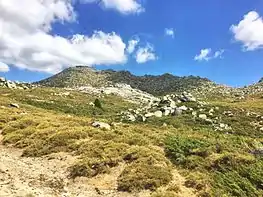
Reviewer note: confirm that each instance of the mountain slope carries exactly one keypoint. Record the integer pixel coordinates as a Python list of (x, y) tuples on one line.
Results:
[(156, 85), (75, 77)]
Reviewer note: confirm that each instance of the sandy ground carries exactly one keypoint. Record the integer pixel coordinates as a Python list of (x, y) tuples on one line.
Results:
[(47, 176)]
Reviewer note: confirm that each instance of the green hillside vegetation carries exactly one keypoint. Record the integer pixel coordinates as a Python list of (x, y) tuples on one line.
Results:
[(156, 85), (214, 163)]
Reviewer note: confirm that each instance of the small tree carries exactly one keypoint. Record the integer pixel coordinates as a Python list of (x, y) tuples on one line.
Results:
[(97, 103)]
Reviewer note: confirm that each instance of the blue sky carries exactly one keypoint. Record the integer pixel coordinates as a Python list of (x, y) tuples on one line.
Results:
[(195, 26)]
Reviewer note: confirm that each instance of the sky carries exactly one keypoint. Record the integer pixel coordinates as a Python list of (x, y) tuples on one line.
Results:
[(218, 39)]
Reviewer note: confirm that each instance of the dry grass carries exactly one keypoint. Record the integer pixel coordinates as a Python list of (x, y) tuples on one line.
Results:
[(213, 162)]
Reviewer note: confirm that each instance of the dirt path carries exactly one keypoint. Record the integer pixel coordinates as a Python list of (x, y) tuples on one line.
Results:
[(47, 176)]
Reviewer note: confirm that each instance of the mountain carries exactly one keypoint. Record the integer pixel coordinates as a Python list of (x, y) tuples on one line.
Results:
[(156, 85)]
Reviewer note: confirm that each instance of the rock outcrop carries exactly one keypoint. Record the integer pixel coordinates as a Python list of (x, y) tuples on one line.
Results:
[(14, 84), (175, 105)]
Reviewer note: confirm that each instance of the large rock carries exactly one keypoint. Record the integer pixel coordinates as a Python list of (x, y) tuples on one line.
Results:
[(158, 114), (2, 79), (202, 116), (101, 125), (167, 112), (183, 108), (178, 112), (173, 104), (148, 115), (15, 105), (131, 118)]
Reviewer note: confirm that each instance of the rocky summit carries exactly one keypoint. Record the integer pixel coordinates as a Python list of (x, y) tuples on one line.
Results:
[(84, 132)]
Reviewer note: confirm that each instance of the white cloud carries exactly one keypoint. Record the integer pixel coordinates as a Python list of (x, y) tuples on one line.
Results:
[(203, 55), (145, 54), (206, 54), (123, 6), (26, 41), (3, 67), (249, 31), (169, 32), (132, 45), (218, 54)]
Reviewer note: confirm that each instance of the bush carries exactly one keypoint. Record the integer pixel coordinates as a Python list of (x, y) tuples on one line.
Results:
[(178, 148), (232, 184), (91, 167), (97, 103), (140, 176)]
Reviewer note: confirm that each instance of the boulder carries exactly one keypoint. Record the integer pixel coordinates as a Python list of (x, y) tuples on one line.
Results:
[(142, 118), (131, 118), (194, 113), (167, 112), (202, 116), (178, 112), (158, 114), (183, 108), (2, 79), (148, 115), (172, 104), (92, 104), (101, 125), (15, 105)]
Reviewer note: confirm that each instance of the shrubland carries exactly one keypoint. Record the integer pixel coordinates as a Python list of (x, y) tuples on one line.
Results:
[(214, 163)]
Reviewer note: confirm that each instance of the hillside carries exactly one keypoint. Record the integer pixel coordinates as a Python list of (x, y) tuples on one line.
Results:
[(102, 145), (76, 77), (156, 85)]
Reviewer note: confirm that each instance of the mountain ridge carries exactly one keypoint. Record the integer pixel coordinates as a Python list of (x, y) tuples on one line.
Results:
[(154, 84)]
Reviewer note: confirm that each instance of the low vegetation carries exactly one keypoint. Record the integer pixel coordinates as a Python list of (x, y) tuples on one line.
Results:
[(215, 163)]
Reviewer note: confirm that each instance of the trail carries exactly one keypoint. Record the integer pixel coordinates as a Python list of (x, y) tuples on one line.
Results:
[(47, 176)]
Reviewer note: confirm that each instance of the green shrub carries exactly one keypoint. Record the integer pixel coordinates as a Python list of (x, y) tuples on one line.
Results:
[(178, 148), (140, 176), (91, 167), (97, 103), (232, 184)]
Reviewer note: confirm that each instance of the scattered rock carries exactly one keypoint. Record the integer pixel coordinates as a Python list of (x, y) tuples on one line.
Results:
[(202, 116), (131, 118), (148, 115), (183, 108), (15, 105), (158, 114), (178, 112), (101, 125), (228, 113), (165, 125), (92, 104)]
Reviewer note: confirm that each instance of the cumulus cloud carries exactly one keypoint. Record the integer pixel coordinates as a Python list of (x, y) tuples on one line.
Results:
[(249, 31), (26, 41), (3, 67), (169, 32), (206, 54), (123, 6), (132, 45), (145, 54)]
